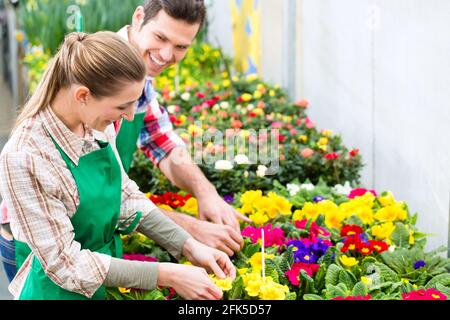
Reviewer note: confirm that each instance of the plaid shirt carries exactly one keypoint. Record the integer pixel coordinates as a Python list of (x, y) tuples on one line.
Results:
[(157, 137), (41, 196)]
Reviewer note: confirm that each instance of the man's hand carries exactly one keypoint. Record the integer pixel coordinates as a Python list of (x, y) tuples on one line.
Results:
[(213, 208)]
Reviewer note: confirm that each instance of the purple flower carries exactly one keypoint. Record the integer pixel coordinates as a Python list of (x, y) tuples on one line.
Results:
[(318, 199), (228, 198), (419, 264)]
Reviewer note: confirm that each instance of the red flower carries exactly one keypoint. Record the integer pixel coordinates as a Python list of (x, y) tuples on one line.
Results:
[(200, 95), (378, 246), (173, 119), (351, 243), (351, 230), (364, 249), (332, 156), (360, 192), (354, 152)]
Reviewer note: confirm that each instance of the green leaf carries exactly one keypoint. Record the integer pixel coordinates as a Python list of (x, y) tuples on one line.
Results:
[(310, 297), (442, 279), (115, 294), (400, 236), (445, 290), (154, 295), (237, 290), (354, 219), (291, 296), (360, 289), (380, 286), (345, 278), (387, 274), (335, 291), (308, 282), (320, 277), (332, 276)]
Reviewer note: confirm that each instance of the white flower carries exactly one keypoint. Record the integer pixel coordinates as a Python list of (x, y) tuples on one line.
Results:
[(172, 94), (216, 107), (172, 109), (307, 186), (261, 172), (250, 107), (246, 174), (223, 165), (293, 189), (241, 159), (186, 96), (224, 105), (343, 189)]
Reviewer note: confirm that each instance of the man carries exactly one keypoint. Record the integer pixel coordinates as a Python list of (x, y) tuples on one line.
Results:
[(163, 30)]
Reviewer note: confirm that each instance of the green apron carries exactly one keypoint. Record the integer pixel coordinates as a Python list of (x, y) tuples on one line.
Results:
[(126, 141), (99, 182)]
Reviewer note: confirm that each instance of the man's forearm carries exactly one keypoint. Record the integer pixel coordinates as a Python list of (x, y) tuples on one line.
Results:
[(179, 168)]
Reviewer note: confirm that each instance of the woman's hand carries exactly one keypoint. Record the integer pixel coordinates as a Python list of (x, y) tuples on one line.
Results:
[(190, 282), (210, 259)]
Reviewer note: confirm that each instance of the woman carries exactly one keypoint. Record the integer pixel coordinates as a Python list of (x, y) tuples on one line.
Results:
[(66, 195)]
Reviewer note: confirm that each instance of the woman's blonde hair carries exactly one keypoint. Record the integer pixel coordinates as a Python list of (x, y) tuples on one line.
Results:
[(101, 61)]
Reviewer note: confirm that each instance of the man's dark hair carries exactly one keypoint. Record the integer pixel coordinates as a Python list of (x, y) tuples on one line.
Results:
[(190, 11)]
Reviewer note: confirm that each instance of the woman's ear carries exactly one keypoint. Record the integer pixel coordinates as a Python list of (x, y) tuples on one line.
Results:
[(82, 94)]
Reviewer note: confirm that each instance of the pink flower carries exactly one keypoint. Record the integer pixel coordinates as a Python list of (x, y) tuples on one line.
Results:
[(360, 192), (272, 237), (277, 125), (196, 108), (307, 153), (310, 124), (422, 294), (200, 95), (293, 274), (302, 103)]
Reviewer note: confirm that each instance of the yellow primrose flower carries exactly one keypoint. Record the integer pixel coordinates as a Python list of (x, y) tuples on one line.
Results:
[(348, 261), (310, 211), (272, 93), (225, 74), (257, 94), (333, 216), (191, 206), (271, 290), (226, 83), (303, 138), (242, 271), (223, 284), (287, 119), (282, 204), (247, 97), (165, 207), (322, 142), (259, 218), (411, 237), (194, 130), (250, 197), (260, 87), (391, 213), (387, 200), (365, 214), (383, 231), (235, 79), (256, 260), (327, 133), (366, 281), (124, 290)]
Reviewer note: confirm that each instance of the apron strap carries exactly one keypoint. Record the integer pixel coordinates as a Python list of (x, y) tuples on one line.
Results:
[(119, 231)]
